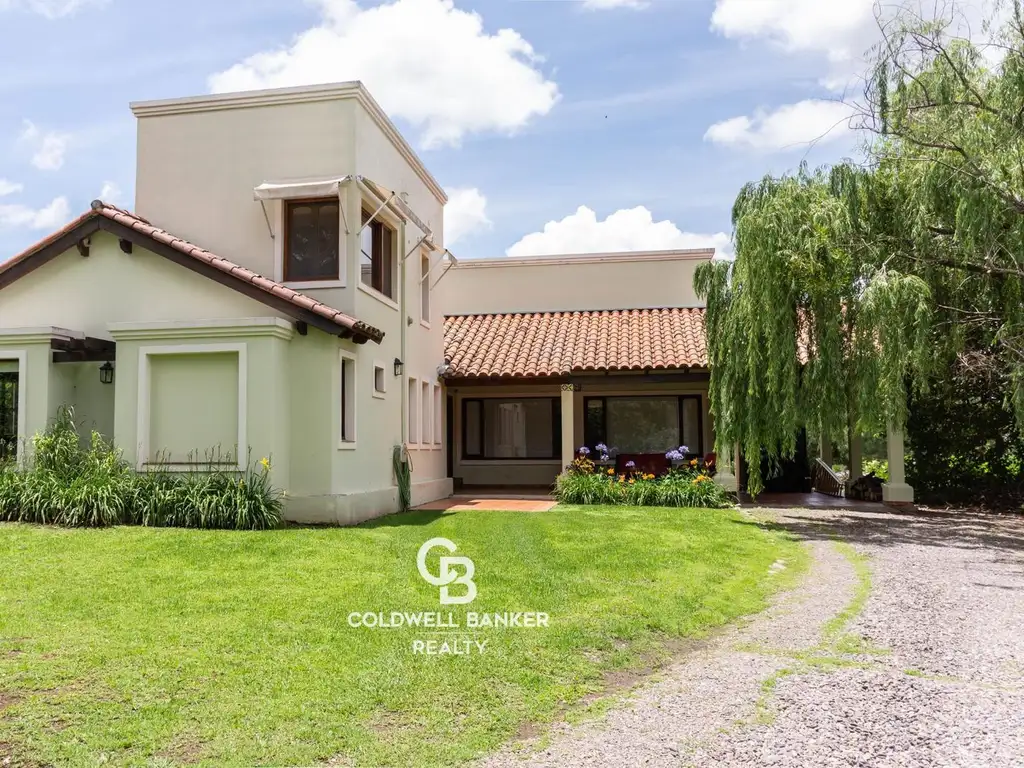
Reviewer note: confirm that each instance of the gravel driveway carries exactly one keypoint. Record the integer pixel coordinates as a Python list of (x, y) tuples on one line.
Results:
[(904, 646)]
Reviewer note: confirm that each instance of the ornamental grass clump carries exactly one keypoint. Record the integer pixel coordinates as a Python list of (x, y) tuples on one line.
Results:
[(68, 484)]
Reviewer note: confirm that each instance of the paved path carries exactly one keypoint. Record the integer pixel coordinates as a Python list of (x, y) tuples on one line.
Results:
[(904, 646)]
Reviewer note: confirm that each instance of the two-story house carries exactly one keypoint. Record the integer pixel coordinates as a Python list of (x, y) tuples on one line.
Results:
[(270, 296)]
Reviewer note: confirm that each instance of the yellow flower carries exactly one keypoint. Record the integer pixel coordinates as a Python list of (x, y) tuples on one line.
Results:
[(265, 462), (611, 471), (693, 462), (631, 481)]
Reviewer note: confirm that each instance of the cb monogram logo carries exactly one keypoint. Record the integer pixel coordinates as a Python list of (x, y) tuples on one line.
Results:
[(447, 575)]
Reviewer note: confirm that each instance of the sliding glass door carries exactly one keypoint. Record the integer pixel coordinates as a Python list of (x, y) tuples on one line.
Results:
[(8, 415)]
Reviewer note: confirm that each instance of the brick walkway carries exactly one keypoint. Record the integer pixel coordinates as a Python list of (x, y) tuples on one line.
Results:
[(465, 503)]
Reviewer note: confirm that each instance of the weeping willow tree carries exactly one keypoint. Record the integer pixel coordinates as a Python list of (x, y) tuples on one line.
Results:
[(854, 285)]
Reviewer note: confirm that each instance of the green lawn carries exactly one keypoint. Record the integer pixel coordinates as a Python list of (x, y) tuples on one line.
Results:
[(165, 647)]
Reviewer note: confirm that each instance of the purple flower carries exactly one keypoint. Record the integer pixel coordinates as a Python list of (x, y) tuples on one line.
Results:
[(674, 455), (601, 448), (584, 451), (604, 457), (684, 450), (630, 465)]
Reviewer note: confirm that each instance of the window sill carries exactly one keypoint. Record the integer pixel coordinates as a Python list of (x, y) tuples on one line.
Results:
[(374, 293), (347, 445), (425, 324), (380, 395), (306, 285)]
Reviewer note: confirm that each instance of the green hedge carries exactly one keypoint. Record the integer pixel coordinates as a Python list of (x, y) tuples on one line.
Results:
[(678, 488), (67, 484)]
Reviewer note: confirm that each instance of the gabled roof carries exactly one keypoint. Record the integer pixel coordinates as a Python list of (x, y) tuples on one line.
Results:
[(563, 343), (136, 230)]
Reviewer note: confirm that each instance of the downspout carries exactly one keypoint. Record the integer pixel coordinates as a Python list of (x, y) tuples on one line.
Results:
[(403, 334)]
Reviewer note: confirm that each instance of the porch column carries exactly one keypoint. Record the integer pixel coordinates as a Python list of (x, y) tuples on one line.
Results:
[(568, 424), (896, 491), (825, 449), (726, 474)]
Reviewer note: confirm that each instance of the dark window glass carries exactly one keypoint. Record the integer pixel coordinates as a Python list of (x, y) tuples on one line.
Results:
[(377, 255), (312, 232), (8, 415), (527, 428)]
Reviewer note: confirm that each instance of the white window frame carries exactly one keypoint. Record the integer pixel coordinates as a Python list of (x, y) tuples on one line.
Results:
[(385, 217), (413, 387), (438, 415), (425, 306), (21, 357), (142, 425), (426, 414), (379, 366), (350, 411), (280, 245)]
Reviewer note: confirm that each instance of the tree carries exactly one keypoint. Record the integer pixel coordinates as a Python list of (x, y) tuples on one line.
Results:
[(857, 285)]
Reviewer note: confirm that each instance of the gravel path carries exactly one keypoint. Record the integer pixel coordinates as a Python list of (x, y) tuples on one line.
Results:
[(904, 646)]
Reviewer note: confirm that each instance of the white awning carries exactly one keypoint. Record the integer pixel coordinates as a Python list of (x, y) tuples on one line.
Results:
[(284, 190)]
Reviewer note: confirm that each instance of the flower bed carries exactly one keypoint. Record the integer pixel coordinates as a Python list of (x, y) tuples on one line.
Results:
[(70, 485), (688, 485)]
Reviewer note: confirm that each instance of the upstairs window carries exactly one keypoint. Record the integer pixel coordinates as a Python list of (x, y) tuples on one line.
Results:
[(312, 235), (377, 256)]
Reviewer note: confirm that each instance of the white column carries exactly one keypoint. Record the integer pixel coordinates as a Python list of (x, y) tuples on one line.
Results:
[(726, 474), (896, 491), (568, 424)]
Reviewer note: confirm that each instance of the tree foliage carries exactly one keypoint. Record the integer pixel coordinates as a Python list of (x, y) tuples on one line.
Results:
[(859, 285)]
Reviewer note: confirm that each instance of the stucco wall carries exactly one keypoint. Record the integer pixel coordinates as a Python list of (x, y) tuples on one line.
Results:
[(628, 281), (111, 286)]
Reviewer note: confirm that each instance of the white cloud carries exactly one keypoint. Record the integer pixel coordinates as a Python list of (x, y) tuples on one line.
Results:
[(47, 149), (841, 30), (600, 5), (52, 216), (465, 214), (629, 229), (792, 126), (51, 9), (9, 187), (110, 193), (425, 61)]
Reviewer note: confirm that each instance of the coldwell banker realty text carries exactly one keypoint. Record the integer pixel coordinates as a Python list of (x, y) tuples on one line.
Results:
[(453, 570)]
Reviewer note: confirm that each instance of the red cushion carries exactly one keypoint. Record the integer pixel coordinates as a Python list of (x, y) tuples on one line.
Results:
[(646, 463)]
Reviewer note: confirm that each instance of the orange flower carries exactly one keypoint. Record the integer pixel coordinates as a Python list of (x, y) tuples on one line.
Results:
[(611, 471), (631, 481), (693, 462)]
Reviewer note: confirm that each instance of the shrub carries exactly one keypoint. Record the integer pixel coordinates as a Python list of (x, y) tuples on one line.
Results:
[(67, 484), (879, 466), (679, 488)]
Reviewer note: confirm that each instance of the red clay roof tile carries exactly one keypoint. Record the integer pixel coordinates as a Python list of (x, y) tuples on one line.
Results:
[(561, 343)]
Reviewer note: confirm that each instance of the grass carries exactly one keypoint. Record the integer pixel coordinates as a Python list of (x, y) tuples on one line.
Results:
[(133, 646)]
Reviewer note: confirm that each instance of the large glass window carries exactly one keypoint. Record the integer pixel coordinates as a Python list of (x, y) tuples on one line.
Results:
[(525, 428), (652, 424), (312, 233), (377, 255)]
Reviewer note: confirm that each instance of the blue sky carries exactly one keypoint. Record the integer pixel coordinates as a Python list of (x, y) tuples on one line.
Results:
[(615, 105)]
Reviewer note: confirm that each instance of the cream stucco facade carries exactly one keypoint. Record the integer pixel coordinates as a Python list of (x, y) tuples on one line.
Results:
[(218, 357)]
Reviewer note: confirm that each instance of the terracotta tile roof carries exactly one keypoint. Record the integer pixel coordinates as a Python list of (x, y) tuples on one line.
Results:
[(560, 343), (274, 291)]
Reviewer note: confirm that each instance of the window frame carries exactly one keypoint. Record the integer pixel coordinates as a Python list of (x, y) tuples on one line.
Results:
[(425, 289), (379, 366), (603, 430), (438, 393), (347, 401), (556, 429), (413, 415), (286, 207), (367, 220)]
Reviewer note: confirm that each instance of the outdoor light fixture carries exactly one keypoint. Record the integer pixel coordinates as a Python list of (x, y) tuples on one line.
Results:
[(107, 373), (398, 367)]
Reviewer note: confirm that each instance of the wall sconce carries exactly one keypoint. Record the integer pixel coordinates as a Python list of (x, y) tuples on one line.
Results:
[(398, 367), (107, 373)]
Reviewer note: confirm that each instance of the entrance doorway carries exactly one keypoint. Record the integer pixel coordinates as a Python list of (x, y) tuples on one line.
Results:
[(8, 415), (786, 476)]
